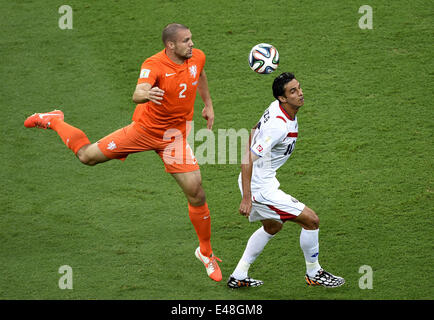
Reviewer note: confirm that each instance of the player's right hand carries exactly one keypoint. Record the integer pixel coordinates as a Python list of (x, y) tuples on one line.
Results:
[(245, 206), (155, 95)]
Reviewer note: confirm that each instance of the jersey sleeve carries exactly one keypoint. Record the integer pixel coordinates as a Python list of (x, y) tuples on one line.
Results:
[(148, 73), (267, 137)]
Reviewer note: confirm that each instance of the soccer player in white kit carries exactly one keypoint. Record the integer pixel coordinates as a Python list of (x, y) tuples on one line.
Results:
[(271, 144)]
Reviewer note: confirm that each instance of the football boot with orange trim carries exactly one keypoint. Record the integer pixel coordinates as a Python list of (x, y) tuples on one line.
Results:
[(325, 279), (247, 282)]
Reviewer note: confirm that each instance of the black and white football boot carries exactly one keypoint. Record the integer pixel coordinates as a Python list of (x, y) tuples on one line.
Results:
[(247, 282), (325, 279)]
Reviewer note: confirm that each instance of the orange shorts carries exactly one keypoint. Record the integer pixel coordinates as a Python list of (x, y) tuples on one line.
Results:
[(173, 148)]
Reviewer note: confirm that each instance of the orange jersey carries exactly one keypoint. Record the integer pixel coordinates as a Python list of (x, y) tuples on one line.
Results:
[(179, 83)]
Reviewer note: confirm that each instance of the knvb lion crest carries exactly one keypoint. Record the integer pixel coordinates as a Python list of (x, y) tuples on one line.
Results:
[(193, 71)]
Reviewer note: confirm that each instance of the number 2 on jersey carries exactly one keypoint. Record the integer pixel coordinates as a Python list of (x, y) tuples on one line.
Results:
[(181, 93)]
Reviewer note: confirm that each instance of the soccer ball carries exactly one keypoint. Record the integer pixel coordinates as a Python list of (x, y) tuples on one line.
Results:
[(263, 58)]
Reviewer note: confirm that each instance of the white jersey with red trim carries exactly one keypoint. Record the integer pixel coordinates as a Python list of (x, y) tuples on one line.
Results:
[(273, 141)]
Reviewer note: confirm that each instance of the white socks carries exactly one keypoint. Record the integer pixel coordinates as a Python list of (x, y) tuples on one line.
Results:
[(255, 246), (259, 239), (310, 246)]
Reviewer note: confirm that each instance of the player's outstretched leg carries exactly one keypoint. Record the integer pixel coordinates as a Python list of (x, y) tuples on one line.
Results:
[(72, 137)]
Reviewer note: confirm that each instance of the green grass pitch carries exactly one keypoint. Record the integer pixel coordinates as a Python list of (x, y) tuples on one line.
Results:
[(363, 162)]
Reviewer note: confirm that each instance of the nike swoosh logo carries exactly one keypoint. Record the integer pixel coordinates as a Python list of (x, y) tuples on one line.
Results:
[(42, 115), (170, 74)]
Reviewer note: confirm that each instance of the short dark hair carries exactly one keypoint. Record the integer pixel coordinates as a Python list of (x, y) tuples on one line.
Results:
[(280, 82), (169, 31)]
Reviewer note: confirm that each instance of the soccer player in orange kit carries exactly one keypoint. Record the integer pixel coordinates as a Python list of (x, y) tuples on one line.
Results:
[(165, 96)]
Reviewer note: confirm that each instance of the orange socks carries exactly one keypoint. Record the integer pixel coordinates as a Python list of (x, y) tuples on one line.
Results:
[(74, 138), (201, 220)]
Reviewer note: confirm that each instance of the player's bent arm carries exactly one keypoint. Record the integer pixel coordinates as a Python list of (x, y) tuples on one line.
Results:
[(246, 173), (141, 93), (246, 177), (144, 92)]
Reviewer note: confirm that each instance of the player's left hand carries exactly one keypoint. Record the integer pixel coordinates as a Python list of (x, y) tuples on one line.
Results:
[(208, 115)]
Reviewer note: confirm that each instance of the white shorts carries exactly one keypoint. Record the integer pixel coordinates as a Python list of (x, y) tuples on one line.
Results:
[(275, 205)]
